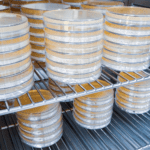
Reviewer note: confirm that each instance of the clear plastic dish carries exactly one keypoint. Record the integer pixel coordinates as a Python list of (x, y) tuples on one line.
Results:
[(18, 33), (125, 66), (94, 108), (123, 50), (129, 15), (74, 79), (39, 9), (135, 93), (131, 110), (17, 79), (42, 144), (41, 131), (93, 125), (13, 47), (12, 22), (38, 56), (73, 28), (14, 92), (132, 104), (127, 30), (92, 113), (73, 69), (73, 59), (15, 56), (70, 16), (15, 68), (42, 137), (132, 98), (74, 39), (48, 112), (125, 58), (126, 40)]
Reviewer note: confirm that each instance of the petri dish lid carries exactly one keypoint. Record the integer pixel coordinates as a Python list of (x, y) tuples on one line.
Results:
[(130, 11), (10, 22), (45, 6), (129, 14), (36, 98), (72, 15)]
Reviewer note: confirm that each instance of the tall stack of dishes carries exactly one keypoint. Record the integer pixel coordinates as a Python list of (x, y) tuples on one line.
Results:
[(101, 6), (16, 70), (74, 41), (127, 38), (133, 98), (42, 126), (34, 12), (94, 111), (16, 4), (5, 9), (75, 4)]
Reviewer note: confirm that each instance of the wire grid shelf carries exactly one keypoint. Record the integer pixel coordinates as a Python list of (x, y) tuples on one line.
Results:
[(41, 82), (125, 132)]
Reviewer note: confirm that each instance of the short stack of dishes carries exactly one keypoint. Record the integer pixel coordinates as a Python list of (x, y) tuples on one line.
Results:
[(58, 91), (16, 70), (16, 4), (94, 111), (133, 98), (75, 4), (101, 6), (74, 42), (127, 38), (5, 9), (42, 126), (34, 12)]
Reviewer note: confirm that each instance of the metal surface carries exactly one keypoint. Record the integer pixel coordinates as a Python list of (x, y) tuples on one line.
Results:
[(41, 82), (125, 132)]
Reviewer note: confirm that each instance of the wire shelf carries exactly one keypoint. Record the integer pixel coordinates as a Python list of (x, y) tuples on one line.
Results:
[(41, 82), (125, 132)]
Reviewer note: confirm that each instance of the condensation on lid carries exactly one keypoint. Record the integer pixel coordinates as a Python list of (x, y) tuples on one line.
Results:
[(3, 7), (130, 11), (9, 19), (73, 15), (46, 6)]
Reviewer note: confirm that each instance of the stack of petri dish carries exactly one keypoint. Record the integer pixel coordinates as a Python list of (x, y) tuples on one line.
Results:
[(134, 98), (127, 38), (42, 126), (4, 9), (16, 70), (17, 4), (74, 42), (34, 12), (58, 91), (75, 4), (94, 111), (101, 6)]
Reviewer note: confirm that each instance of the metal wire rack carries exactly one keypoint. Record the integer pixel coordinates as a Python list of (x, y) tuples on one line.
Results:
[(125, 132), (41, 82)]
